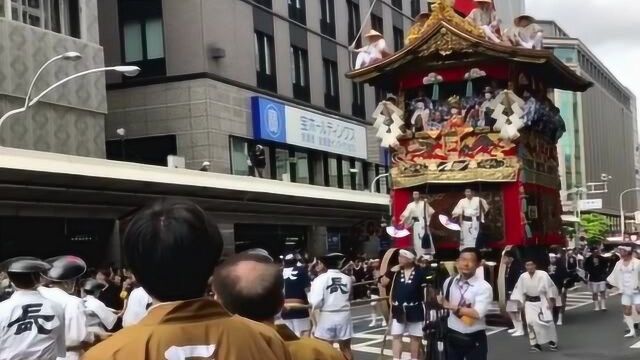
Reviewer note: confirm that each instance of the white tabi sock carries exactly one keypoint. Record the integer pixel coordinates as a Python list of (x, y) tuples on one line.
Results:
[(597, 304), (603, 304), (629, 321)]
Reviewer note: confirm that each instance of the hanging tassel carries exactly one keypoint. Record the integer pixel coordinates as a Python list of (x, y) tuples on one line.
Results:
[(469, 88), (436, 92)]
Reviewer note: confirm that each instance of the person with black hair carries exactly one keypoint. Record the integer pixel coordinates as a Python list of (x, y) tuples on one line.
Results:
[(296, 286), (561, 278), (330, 294), (110, 296), (537, 292), (597, 269), (512, 273), (31, 326), (250, 285), (468, 299), (63, 274), (172, 248)]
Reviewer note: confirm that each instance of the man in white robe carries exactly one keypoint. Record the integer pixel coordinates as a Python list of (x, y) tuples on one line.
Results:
[(529, 34), (536, 291), (471, 211), (484, 16), (375, 51), (416, 216), (626, 277)]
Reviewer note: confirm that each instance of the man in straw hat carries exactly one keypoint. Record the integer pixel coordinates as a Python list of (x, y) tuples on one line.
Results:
[(31, 326), (529, 33), (375, 51), (484, 16), (626, 277), (330, 294)]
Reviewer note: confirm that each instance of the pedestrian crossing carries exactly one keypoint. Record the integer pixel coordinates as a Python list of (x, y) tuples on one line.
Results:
[(371, 340)]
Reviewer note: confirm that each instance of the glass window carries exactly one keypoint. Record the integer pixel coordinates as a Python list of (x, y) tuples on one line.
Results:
[(133, 41), (360, 185), (155, 39), (346, 174), (333, 171), (353, 12), (327, 22), (302, 168), (397, 4), (371, 174), (376, 23), (567, 55), (239, 157), (300, 73), (265, 59), (398, 38), (282, 165)]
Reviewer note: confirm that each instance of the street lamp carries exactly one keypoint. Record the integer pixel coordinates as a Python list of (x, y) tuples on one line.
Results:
[(622, 211), (373, 183), (70, 56), (126, 70)]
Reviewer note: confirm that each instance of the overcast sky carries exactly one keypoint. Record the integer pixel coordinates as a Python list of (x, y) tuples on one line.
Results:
[(608, 27)]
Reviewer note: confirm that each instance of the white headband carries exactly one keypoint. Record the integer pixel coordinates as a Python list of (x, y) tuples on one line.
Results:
[(407, 254), (625, 248)]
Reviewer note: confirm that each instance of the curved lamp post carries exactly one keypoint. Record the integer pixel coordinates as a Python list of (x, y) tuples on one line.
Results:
[(70, 56), (125, 69)]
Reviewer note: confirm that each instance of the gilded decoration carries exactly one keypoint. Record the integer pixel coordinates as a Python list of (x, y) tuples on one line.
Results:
[(445, 43), (539, 159), (442, 11), (453, 157)]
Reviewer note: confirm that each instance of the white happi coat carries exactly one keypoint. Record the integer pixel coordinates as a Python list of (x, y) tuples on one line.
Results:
[(418, 228), (330, 293), (542, 329), (31, 327), (98, 315), (137, 305), (75, 329), (487, 21), (626, 278), (474, 208)]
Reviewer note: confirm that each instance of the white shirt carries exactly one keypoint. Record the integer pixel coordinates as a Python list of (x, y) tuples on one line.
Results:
[(416, 210), (540, 284), (376, 48), (137, 306), (475, 293), (621, 273), (481, 17), (21, 340), (98, 309), (75, 329), (627, 278), (330, 291)]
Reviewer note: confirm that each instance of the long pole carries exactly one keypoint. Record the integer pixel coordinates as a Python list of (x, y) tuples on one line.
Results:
[(622, 220), (373, 183)]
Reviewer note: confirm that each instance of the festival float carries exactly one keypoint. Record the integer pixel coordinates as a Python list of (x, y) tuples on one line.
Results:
[(469, 108)]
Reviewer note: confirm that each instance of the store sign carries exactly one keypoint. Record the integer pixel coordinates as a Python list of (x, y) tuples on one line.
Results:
[(590, 204), (275, 121)]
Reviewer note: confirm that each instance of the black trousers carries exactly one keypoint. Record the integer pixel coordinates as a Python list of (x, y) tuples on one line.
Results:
[(476, 352)]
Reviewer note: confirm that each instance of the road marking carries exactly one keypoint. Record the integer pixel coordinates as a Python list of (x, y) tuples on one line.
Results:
[(636, 345)]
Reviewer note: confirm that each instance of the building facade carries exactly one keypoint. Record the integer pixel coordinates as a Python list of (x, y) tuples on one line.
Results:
[(213, 87), (602, 134), (70, 119)]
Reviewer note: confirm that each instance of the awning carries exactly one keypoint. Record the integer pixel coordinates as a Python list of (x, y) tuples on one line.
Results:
[(103, 188)]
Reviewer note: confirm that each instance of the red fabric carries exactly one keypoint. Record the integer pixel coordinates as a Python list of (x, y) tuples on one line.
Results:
[(513, 225), (400, 199), (497, 71), (465, 6)]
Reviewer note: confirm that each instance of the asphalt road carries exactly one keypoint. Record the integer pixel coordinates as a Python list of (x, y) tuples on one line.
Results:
[(586, 335)]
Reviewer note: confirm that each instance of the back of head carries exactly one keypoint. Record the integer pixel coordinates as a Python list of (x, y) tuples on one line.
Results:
[(250, 286), (172, 249)]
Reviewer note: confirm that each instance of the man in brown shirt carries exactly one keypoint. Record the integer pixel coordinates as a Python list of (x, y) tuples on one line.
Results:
[(251, 285), (172, 249)]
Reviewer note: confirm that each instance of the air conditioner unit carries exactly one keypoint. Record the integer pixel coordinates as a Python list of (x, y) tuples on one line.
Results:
[(175, 162)]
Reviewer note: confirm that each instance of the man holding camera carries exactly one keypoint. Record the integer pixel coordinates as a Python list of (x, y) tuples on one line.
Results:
[(468, 299)]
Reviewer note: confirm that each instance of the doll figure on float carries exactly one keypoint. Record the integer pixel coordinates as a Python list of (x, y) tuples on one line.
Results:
[(416, 216), (484, 16), (456, 120)]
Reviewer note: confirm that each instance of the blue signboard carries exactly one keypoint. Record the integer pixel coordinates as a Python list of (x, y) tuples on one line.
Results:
[(275, 121)]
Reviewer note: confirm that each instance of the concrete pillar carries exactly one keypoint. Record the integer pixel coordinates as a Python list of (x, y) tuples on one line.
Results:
[(228, 238), (114, 248), (317, 244)]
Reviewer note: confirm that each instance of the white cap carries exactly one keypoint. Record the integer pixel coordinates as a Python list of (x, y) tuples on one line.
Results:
[(206, 163)]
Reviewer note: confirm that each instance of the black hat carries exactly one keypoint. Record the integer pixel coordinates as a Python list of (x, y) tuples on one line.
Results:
[(64, 268), (26, 266), (4, 266), (333, 260), (92, 285)]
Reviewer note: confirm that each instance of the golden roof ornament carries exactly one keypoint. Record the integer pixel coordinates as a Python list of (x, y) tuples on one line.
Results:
[(442, 11)]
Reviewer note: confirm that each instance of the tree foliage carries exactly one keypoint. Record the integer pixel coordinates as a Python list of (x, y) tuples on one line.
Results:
[(595, 227)]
